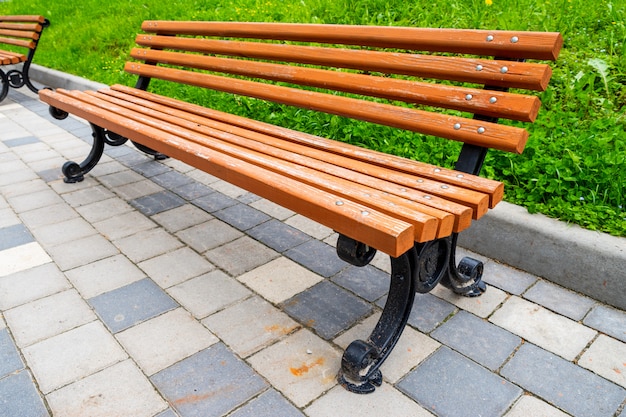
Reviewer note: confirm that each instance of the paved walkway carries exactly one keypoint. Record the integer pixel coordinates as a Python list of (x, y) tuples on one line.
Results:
[(153, 289)]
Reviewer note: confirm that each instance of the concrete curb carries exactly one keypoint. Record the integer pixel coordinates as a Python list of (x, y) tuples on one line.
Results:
[(588, 262)]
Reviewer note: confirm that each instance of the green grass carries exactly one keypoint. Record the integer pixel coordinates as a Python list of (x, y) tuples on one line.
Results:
[(574, 167)]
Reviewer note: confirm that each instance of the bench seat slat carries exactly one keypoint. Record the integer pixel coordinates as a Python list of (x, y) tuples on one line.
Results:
[(494, 189), (285, 163), (451, 216), (388, 234), (475, 132), (507, 105), (527, 45), (532, 76), (8, 57), (383, 179)]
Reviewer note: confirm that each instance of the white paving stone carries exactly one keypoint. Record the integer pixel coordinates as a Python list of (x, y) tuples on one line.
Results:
[(31, 284), (302, 366), (542, 327), (412, 348), (386, 401), (481, 306), (529, 406), (162, 341), (208, 293), (72, 355), (104, 275), (175, 267), (250, 325), (22, 257), (279, 279), (119, 390), (606, 357), (48, 317)]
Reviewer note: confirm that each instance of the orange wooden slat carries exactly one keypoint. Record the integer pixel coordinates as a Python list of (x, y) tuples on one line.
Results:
[(285, 163), (382, 232), (17, 42), (8, 57), (307, 158), (489, 103), (442, 196), (491, 135), (28, 34), (510, 44), (22, 18), (532, 76), (494, 189)]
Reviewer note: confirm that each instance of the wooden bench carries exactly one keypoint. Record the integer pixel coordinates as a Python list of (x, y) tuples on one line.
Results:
[(23, 32), (410, 210)]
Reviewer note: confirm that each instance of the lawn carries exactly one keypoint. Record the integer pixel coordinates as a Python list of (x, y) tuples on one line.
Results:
[(574, 167)]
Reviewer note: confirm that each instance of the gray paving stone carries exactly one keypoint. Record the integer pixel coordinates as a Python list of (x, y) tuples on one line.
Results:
[(27, 140), (318, 257), (150, 168), (278, 235), (487, 344), (19, 397), (562, 383), (10, 360), (366, 282), (181, 218), (268, 404), (241, 216), (134, 303), (209, 383), (327, 308), (131, 159), (15, 235), (560, 300), (192, 190), (214, 202), (167, 413), (506, 278), (448, 384), (428, 312), (157, 202), (608, 320), (248, 198), (241, 255), (171, 179)]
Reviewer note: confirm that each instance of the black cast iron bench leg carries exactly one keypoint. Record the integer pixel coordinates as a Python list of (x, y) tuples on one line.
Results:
[(420, 269), (75, 172)]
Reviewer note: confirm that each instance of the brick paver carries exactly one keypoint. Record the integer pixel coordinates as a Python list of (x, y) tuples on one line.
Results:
[(154, 289)]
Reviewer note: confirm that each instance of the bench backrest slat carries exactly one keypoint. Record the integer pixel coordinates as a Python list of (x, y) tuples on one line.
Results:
[(506, 105), (22, 31), (527, 76), (509, 44), (480, 133)]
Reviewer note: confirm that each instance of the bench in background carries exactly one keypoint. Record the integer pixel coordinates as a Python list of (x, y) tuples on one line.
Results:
[(25, 33), (410, 210)]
